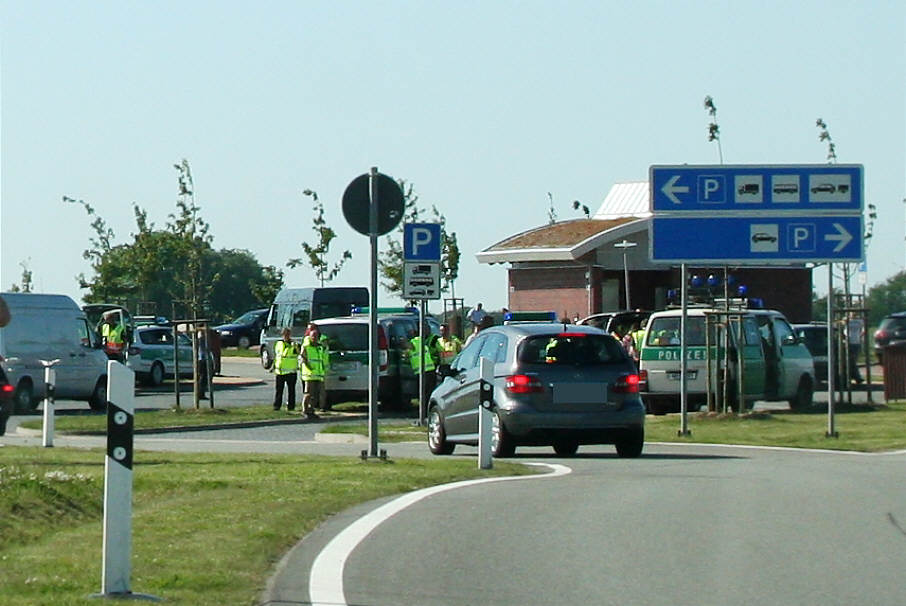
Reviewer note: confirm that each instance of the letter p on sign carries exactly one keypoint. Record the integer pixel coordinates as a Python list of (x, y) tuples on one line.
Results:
[(421, 242)]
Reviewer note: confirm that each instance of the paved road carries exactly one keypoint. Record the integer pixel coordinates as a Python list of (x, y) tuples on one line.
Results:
[(682, 524)]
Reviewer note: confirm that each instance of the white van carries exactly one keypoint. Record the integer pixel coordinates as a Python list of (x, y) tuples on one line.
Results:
[(51, 327), (777, 366)]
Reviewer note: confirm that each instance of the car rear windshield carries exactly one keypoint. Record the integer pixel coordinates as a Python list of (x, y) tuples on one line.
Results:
[(346, 337), (577, 349)]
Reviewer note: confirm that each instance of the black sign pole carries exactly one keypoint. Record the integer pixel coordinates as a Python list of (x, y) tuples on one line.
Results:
[(374, 362)]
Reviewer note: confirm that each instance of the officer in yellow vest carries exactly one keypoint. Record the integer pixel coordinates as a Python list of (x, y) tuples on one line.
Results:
[(415, 357), (315, 360), (114, 340), (447, 347), (286, 364)]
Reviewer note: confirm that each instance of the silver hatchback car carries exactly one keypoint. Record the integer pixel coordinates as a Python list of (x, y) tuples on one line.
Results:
[(555, 385)]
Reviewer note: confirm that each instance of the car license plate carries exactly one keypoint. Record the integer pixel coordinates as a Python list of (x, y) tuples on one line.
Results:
[(580, 393), (675, 375), (346, 366)]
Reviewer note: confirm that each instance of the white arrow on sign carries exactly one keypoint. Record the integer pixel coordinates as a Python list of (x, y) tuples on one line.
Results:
[(671, 188), (842, 237)]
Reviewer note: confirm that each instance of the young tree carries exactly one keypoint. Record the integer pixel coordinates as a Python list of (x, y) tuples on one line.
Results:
[(193, 243), (315, 254), (26, 284), (713, 128)]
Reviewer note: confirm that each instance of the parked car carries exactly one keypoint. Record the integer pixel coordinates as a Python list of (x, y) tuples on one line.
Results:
[(620, 322), (891, 331), (554, 385), (151, 354), (347, 339), (244, 331), (51, 327)]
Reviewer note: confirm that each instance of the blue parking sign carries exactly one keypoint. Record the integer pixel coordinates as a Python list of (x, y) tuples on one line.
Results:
[(421, 241)]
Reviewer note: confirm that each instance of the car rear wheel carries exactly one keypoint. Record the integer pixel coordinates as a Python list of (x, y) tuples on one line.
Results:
[(244, 342), (630, 444), (566, 448), (804, 395), (24, 399), (98, 399), (437, 435), (501, 443), (156, 376)]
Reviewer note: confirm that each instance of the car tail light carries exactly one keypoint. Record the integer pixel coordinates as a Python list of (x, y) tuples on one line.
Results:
[(626, 384), (383, 356), (880, 335), (643, 380), (6, 389), (523, 384)]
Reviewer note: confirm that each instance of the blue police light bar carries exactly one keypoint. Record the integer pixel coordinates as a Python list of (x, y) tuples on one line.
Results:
[(514, 317)]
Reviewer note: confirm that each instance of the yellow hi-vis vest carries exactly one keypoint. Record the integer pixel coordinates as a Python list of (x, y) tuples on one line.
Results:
[(318, 360), (286, 360), (415, 355), (447, 349)]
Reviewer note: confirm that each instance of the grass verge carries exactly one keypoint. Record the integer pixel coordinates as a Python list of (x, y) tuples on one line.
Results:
[(207, 528), (866, 428), (88, 422), (860, 427)]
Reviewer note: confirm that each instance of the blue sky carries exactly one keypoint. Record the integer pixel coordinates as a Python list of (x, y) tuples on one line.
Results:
[(484, 107)]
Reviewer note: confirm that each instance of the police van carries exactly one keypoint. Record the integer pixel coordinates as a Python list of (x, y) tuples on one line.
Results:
[(776, 364), (347, 340)]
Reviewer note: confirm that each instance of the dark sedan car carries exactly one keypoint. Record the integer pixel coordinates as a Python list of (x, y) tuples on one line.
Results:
[(244, 331), (891, 331), (554, 385)]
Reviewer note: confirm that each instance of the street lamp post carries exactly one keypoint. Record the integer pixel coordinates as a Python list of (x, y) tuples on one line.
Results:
[(625, 244)]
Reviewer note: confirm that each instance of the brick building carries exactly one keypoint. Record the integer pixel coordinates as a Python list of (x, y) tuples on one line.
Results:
[(576, 267)]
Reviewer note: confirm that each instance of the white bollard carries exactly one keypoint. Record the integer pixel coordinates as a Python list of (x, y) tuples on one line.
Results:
[(485, 415), (50, 382), (116, 566)]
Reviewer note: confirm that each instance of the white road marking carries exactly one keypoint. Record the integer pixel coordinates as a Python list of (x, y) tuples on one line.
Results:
[(325, 584)]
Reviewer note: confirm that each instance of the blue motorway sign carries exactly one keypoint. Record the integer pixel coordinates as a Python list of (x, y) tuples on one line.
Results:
[(421, 241), (756, 240), (727, 189)]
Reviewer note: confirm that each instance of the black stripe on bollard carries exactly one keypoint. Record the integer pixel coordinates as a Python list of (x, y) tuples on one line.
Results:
[(120, 426)]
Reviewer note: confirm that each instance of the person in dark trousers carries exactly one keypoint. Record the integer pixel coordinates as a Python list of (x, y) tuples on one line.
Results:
[(286, 366)]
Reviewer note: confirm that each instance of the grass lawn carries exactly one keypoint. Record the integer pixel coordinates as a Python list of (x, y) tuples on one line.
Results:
[(860, 427), (207, 528)]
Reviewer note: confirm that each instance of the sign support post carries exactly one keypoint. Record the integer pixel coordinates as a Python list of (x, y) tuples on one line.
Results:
[(831, 361), (373, 361)]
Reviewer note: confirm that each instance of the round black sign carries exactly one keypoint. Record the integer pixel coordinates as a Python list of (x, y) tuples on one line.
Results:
[(357, 201)]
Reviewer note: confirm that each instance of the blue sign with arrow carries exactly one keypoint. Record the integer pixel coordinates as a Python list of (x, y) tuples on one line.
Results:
[(756, 240), (726, 189)]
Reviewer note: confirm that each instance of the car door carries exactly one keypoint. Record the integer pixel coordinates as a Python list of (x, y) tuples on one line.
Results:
[(795, 359), (457, 405)]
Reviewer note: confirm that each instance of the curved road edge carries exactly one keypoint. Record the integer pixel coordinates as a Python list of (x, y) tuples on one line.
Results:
[(325, 580)]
